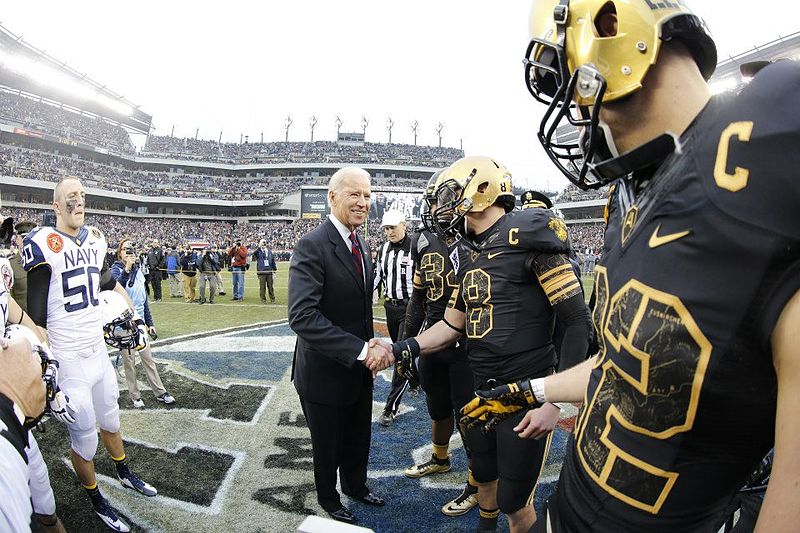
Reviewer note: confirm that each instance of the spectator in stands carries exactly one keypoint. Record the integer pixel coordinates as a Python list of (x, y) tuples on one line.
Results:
[(265, 270), (128, 274), (238, 257), (156, 262)]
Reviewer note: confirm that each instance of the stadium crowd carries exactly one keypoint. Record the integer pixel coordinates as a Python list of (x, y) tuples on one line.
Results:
[(299, 152), (61, 122), (36, 164), (573, 194), (281, 235)]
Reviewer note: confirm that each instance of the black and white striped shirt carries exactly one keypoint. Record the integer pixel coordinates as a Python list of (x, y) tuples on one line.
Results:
[(396, 269)]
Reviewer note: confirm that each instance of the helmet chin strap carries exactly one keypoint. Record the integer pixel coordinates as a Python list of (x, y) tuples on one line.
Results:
[(649, 154)]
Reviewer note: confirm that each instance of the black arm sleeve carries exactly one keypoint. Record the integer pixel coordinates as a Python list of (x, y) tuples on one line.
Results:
[(38, 293), (107, 281), (415, 312), (573, 316)]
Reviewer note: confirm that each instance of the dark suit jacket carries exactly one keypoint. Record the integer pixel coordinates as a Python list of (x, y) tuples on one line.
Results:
[(331, 312)]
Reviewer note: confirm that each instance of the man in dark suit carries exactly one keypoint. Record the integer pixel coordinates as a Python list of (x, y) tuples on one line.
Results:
[(330, 309)]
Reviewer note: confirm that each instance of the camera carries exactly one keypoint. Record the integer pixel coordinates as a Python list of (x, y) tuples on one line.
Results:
[(129, 251)]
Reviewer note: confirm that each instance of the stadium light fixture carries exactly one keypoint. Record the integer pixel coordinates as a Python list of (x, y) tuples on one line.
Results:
[(115, 105), (44, 74)]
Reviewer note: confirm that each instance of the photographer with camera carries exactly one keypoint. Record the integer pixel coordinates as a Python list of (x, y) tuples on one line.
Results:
[(128, 273), (238, 255)]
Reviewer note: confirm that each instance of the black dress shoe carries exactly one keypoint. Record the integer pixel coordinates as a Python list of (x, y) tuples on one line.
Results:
[(371, 499), (342, 515)]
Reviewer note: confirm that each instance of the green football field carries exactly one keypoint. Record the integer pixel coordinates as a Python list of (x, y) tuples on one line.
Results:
[(174, 317)]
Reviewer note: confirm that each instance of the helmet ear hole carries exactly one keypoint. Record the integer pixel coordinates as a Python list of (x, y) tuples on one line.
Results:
[(482, 187), (606, 20)]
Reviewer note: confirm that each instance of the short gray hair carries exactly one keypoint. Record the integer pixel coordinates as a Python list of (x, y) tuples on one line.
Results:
[(335, 183)]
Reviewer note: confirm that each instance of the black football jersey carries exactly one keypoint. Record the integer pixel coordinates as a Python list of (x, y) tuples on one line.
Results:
[(438, 262), (696, 269), (509, 322)]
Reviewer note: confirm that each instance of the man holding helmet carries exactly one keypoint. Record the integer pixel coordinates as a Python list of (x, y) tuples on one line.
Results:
[(65, 276), (698, 304)]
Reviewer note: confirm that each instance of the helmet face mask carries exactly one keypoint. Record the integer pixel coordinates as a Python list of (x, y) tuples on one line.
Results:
[(470, 185), (119, 329), (430, 202), (448, 214), (575, 159), (584, 54)]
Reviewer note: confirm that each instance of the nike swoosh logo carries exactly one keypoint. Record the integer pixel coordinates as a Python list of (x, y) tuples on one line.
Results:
[(492, 256), (657, 240)]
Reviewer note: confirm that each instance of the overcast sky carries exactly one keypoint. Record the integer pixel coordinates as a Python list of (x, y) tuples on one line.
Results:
[(242, 67)]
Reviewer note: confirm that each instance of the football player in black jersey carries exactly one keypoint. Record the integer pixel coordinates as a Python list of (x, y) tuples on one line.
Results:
[(518, 275), (444, 376), (698, 291)]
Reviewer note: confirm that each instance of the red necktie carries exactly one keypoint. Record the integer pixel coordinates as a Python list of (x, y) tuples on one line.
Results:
[(356, 253)]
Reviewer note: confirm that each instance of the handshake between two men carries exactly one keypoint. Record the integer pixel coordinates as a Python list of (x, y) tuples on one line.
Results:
[(382, 355), (488, 408)]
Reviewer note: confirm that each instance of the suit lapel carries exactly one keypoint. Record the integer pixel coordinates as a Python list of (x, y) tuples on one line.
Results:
[(343, 253)]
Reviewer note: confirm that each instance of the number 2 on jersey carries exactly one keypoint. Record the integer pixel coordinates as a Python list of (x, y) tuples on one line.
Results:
[(653, 360)]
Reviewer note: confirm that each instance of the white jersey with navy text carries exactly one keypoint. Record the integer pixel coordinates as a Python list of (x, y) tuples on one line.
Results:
[(73, 308)]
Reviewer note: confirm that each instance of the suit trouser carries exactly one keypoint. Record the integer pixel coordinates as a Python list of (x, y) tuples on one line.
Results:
[(340, 438), (189, 287), (155, 279), (175, 285), (149, 365), (211, 278), (265, 283), (395, 322)]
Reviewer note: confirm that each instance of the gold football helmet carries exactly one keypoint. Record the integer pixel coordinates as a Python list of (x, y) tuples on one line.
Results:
[(586, 53), (470, 185)]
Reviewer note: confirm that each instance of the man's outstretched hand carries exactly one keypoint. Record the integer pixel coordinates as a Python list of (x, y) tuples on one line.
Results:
[(379, 356)]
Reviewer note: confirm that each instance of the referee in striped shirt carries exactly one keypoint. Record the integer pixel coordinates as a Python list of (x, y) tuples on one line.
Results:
[(396, 270)]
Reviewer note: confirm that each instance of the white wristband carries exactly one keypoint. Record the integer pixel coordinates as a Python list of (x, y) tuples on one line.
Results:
[(537, 387)]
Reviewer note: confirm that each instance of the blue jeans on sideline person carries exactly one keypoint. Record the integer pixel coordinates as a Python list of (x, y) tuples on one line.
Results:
[(238, 282)]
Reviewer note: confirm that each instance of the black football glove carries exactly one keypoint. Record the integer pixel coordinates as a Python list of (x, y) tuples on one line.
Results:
[(405, 355), (519, 394)]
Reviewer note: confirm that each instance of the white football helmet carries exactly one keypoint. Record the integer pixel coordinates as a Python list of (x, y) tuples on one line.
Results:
[(58, 403), (40, 350), (119, 329)]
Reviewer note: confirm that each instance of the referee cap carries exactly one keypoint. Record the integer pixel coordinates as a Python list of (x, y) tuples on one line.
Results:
[(392, 217)]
